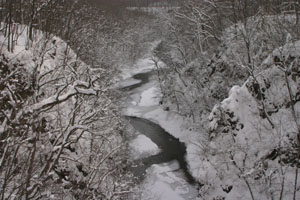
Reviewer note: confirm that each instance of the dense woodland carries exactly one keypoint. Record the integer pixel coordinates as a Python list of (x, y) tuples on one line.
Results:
[(61, 129)]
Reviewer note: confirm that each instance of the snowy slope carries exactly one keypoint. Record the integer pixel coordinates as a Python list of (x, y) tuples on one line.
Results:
[(60, 120), (253, 133)]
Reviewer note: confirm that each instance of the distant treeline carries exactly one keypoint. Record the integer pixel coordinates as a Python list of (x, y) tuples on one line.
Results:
[(137, 3)]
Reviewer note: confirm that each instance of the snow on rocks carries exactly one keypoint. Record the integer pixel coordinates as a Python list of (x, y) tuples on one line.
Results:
[(252, 129)]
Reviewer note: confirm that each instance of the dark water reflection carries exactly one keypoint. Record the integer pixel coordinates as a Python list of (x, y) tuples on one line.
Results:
[(171, 148)]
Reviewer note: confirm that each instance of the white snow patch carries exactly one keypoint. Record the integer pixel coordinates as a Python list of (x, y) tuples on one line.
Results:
[(149, 97), (142, 147), (165, 182)]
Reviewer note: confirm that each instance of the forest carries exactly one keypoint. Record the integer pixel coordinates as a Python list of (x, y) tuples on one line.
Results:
[(150, 99)]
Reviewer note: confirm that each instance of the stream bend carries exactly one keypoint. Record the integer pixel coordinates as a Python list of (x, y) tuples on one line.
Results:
[(171, 148)]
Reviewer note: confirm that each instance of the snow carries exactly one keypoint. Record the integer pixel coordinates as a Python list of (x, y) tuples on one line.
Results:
[(164, 181), (171, 122), (55, 98), (212, 164), (144, 64), (146, 105), (142, 147), (129, 71), (161, 179), (127, 82), (58, 75), (150, 97), (174, 124), (257, 139)]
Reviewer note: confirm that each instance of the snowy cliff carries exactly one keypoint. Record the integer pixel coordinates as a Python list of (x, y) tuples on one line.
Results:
[(254, 147)]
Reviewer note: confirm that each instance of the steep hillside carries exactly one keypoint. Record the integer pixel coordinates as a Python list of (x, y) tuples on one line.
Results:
[(60, 130), (254, 133), (240, 93)]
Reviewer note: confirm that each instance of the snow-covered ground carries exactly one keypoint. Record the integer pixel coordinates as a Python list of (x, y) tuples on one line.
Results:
[(142, 147)]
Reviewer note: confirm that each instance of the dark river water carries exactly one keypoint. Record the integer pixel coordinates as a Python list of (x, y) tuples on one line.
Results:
[(171, 148), (142, 77)]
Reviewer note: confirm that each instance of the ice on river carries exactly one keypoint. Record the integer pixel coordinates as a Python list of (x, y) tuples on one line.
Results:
[(166, 182), (150, 97), (142, 147), (127, 82)]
